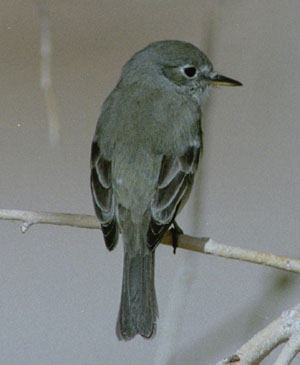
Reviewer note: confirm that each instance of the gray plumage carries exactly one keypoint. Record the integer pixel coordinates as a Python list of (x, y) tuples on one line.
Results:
[(144, 155)]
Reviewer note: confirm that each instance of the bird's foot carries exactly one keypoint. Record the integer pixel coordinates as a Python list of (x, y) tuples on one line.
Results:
[(175, 231)]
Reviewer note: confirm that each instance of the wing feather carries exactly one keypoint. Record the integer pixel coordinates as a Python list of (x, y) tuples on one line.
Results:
[(175, 180), (103, 198)]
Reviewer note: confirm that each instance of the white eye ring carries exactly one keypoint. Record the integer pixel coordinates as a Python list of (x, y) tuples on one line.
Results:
[(189, 71)]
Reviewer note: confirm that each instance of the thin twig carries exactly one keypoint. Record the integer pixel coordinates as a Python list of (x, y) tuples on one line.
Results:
[(46, 77), (204, 245), (62, 219)]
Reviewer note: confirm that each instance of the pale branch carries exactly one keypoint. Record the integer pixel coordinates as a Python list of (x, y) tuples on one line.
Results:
[(62, 219), (46, 82), (286, 328), (204, 245)]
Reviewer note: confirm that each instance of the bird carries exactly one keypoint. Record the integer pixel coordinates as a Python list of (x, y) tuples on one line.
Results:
[(144, 156)]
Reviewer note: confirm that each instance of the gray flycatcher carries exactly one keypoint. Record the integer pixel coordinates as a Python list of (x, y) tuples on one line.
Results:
[(144, 156)]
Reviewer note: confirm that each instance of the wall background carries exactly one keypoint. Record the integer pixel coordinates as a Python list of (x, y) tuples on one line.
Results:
[(59, 287)]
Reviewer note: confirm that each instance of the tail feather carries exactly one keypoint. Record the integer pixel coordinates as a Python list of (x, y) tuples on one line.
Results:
[(138, 309)]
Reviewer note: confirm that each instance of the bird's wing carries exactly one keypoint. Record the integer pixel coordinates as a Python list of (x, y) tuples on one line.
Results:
[(175, 180), (103, 198)]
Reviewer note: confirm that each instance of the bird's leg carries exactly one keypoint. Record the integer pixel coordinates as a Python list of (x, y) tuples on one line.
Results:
[(175, 231)]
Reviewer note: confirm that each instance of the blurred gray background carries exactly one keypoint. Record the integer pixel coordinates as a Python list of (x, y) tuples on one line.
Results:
[(59, 287)]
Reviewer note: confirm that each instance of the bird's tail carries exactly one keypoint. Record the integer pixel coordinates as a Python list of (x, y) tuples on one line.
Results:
[(138, 308)]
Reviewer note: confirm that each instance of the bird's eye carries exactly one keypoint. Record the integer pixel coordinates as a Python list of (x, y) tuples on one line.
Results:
[(190, 71)]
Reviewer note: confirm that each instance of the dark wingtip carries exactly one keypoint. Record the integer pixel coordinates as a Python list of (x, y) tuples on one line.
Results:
[(110, 234)]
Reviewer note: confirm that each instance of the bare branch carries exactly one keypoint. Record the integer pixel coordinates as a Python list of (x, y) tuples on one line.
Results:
[(46, 77), (62, 219), (204, 245), (286, 328), (289, 352)]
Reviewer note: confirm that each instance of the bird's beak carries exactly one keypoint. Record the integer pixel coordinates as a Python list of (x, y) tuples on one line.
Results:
[(223, 80)]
